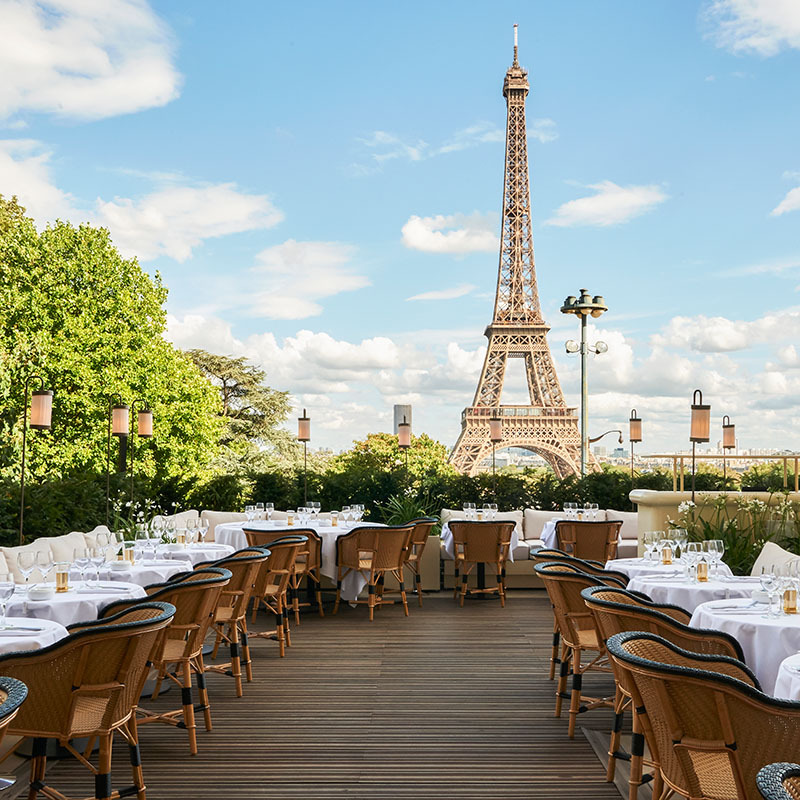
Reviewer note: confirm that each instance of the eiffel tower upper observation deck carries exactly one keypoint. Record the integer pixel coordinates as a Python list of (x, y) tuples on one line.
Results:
[(546, 426)]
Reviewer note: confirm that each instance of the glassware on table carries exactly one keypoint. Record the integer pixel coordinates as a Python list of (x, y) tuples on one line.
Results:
[(259, 511), (345, 515), (693, 552), (62, 576), (202, 530), (268, 509), (249, 512), (769, 584), (97, 558), (81, 560), (129, 552), (667, 549), (594, 510), (334, 519), (681, 538), (44, 563), (7, 587), (315, 508), (719, 552), (290, 517)]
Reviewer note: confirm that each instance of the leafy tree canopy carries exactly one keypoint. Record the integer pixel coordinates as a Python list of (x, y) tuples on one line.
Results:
[(91, 324), (251, 411)]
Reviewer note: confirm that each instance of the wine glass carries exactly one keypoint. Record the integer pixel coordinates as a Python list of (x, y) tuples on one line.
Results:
[(81, 559), (97, 558), (693, 552), (316, 507), (26, 563), (718, 553), (769, 583), (249, 511), (345, 513), (710, 549), (259, 511), (202, 530), (44, 563), (269, 508), (681, 537), (6, 591)]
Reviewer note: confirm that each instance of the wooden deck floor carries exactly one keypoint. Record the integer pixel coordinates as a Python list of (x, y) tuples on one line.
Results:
[(449, 703)]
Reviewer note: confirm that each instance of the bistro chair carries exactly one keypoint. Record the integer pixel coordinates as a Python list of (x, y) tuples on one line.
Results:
[(579, 637), (616, 611), (373, 552), (779, 781), (12, 696), (709, 725), (87, 685), (307, 564), (272, 586), (597, 541), (480, 543), (229, 621), (179, 655), (419, 539)]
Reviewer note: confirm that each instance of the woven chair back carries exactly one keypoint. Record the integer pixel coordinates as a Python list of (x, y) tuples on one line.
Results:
[(274, 575), (711, 726), (244, 566), (392, 547), (482, 542), (420, 532), (779, 781), (89, 682), (597, 541), (311, 552), (12, 695), (367, 544), (589, 567)]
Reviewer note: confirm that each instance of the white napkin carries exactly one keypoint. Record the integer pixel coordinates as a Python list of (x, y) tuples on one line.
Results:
[(103, 590)]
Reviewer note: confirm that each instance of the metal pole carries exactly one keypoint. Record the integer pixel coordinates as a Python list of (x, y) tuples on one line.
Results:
[(584, 399), (108, 461), (22, 474), (631, 465), (305, 473), (694, 446), (494, 478)]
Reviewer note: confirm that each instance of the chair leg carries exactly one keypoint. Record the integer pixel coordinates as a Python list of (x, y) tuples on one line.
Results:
[(464, 579), (554, 655), (455, 583), (371, 599), (295, 604), (637, 755), (403, 594), (245, 643), (500, 588), (616, 734), (202, 690), (38, 766), (575, 697), (279, 629), (236, 661), (318, 591), (338, 595), (102, 779), (286, 634), (188, 707), (418, 584), (135, 758), (561, 686)]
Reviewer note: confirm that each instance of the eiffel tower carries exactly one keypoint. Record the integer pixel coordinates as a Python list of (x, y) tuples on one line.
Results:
[(546, 426)]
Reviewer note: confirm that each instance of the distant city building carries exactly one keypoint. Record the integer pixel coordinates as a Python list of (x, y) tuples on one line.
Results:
[(600, 451), (401, 411)]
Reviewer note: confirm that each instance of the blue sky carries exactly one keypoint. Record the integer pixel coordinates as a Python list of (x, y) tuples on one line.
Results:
[(298, 172)]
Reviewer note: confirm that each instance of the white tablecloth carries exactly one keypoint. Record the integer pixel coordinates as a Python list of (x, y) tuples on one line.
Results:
[(787, 686), (142, 573), (765, 642), (447, 541), (636, 567), (196, 553), (680, 592), (548, 537), (78, 605), (232, 533), (12, 641)]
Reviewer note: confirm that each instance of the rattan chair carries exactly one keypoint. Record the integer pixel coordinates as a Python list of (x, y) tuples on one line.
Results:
[(307, 564), (195, 598), (616, 611), (419, 538), (88, 685), (12, 696), (272, 587), (579, 637), (480, 543), (229, 622), (779, 781), (708, 723), (373, 552), (597, 541)]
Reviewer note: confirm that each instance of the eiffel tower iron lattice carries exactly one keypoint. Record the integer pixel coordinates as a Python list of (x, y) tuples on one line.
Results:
[(546, 426)]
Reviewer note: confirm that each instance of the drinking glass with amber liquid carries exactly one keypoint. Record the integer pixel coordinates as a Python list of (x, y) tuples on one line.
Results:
[(290, 518), (62, 576), (702, 570), (334, 519), (667, 550)]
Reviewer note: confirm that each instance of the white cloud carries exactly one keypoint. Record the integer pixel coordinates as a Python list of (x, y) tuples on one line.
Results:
[(89, 59), (764, 27), (445, 294), (174, 220), (543, 130), (610, 205), (388, 146), (789, 203), (479, 133), (291, 277), (457, 233)]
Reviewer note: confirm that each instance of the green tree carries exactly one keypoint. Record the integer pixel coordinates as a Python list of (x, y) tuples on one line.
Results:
[(251, 411), (91, 324)]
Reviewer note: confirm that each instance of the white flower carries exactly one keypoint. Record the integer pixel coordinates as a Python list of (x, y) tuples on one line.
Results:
[(686, 505)]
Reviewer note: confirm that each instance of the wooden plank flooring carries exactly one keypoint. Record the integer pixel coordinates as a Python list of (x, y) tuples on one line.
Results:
[(449, 703)]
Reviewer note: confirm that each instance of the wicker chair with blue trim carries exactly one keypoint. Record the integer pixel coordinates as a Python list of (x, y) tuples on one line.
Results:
[(779, 781), (180, 654), (707, 722), (87, 685), (616, 611)]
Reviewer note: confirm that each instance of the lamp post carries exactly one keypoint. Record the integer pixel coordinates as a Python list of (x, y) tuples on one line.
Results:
[(634, 435), (495, 436), (700, 430), (304, 436), (40, 419), (118, 425), (144, 429), (584, 307), (404, 439), (728, 443)]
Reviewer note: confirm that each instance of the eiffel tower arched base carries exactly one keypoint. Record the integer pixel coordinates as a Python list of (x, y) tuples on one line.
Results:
[(551, 433)]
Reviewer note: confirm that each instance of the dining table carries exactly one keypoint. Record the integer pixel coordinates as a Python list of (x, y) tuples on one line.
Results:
[(637, 567), (677, 590), (766, 641), (142, 572), (232, 534), (24, 633), (787, 684)]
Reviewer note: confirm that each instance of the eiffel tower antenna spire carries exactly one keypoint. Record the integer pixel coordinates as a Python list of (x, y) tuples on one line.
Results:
[(546, 426)]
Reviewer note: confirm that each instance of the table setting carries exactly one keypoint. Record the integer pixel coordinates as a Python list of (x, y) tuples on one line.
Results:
[(474, 513), (787, 684), (573, 512), (23, 633)]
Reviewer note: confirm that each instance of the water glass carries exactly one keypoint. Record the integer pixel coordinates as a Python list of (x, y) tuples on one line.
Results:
[(249, 512), (259, 511), (269, 508), (6, 591), (203, 530), (97, 558), (81, 560), (290, 517), (681, 538), (44, 563)]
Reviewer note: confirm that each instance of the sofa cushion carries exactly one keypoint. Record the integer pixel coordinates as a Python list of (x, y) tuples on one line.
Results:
[(180, 518), (771, 554), (535, 520), (91, 536), (630, 523), (214, 518), (63, 547), (10, 554)]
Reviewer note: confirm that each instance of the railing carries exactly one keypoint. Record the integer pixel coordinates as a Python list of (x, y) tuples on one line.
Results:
[(679, 459), (487, 412)]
